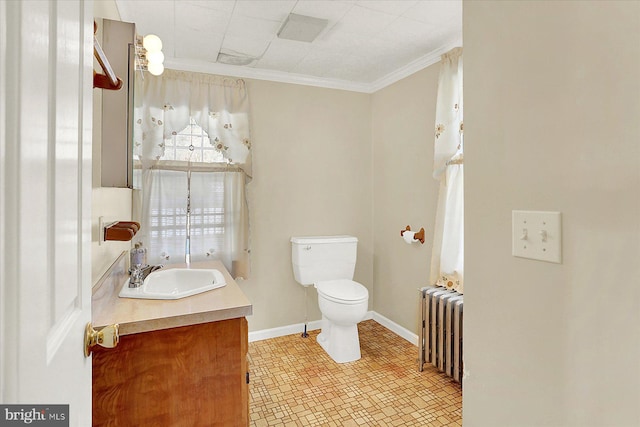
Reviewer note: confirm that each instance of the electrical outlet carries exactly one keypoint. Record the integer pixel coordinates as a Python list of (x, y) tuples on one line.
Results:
[(537, 235)]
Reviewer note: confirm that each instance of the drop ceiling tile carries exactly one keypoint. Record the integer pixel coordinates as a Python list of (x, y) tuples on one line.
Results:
[(436, 12), (342, 41), (197, 17), (222, 5), (404, 56), (378, 47), (193, 44), (245, 26), (283, 55), (318, 63), (273, 10), (254, 47), (377, 66), (405, 30), (365, 21), (148, 20), (377, 72), (351, 68), (323, 9), (392, 7)]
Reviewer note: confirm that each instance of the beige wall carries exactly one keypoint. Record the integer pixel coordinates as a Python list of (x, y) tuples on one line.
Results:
[(405, 192), (110, 203), (552, 108), (312, 176)]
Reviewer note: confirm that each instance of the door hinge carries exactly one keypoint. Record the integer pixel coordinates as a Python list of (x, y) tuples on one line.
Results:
[(247, 377)]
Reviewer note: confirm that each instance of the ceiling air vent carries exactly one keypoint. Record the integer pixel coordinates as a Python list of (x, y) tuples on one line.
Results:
[(302, 28), (234, 58)]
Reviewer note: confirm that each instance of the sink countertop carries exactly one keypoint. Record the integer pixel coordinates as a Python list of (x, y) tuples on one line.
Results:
[(144, 315)]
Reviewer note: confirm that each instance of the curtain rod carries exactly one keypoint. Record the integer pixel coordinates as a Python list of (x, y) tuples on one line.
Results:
[(193, 168)]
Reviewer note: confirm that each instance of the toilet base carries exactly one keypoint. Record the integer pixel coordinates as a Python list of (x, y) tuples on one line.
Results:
[(341, 343)]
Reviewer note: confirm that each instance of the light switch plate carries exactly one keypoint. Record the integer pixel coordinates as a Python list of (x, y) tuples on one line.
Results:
[(537, 235)]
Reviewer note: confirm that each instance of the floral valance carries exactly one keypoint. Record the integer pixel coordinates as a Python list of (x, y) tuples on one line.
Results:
[(165, 104)]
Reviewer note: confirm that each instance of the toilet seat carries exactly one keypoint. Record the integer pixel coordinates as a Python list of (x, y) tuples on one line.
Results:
[(342, 291)]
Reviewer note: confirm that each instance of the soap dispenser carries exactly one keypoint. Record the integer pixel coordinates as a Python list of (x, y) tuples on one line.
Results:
[(138, 255)]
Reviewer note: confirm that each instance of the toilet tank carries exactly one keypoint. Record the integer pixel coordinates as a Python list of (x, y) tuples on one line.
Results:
[(323, 258)]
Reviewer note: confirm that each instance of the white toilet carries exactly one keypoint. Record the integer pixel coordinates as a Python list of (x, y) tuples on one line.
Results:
[(328, 263)]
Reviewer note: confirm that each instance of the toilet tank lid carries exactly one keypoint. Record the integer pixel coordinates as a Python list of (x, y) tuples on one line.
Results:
[(307, 240)]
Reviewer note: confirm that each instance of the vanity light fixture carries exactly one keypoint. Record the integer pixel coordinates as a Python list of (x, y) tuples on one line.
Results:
[(152, 43), (149, 54)]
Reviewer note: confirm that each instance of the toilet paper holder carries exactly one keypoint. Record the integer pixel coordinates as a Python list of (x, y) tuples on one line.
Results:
[(417, 237)]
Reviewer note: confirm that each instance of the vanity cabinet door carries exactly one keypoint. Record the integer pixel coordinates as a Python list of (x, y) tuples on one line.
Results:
[(187, 376)]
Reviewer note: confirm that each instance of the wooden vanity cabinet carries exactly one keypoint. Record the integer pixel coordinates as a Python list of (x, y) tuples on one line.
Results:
[(187, 376)]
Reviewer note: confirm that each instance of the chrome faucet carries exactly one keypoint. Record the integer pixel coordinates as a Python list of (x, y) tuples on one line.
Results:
[(140, 272)]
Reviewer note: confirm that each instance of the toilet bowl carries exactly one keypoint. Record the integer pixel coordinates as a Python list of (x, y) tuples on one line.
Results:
[(328, 263), (343, 303)]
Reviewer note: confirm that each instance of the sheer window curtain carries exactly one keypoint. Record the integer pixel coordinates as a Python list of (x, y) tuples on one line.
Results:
[(165, 105), (447, 261)]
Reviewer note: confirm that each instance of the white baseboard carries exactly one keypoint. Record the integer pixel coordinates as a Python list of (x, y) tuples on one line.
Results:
[(396, 329), (298, 328)]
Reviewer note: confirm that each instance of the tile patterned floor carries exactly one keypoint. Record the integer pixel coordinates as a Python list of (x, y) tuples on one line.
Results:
[(295, 383)]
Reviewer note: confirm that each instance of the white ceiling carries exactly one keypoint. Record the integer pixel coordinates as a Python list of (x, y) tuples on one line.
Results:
[(367, 44)]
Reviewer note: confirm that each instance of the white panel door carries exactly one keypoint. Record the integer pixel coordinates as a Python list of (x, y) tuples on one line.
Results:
[(45, 176)]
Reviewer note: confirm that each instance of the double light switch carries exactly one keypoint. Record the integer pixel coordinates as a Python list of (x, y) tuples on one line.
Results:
[(537, 235)]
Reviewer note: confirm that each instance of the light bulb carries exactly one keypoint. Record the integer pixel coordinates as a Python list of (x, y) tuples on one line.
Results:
[(152, 43), (155, 57), (155, 69)]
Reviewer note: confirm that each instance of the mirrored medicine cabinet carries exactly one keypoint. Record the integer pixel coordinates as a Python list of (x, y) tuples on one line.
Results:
[(118, 44)]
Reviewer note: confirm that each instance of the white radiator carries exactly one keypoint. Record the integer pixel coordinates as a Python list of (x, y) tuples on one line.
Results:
[(440, 340)]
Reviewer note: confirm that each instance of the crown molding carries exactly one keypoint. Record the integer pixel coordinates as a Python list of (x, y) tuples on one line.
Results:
[(301, 79), (261, 74), (412, 67)]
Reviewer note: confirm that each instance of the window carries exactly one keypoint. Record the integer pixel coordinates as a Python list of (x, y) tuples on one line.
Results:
[(209, 222), (192, 144), (197, 125), (190, 170)]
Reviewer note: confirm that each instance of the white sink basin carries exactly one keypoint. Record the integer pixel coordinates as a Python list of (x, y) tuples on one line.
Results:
[(175, 283)]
